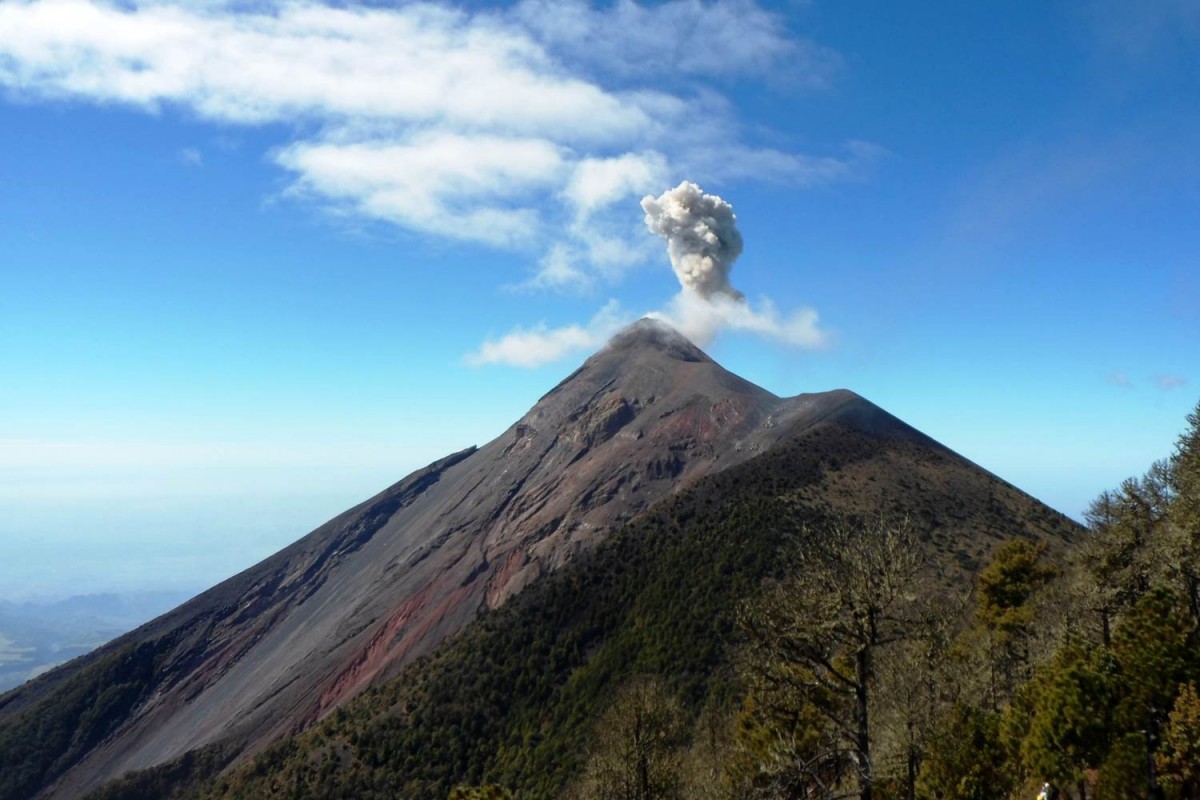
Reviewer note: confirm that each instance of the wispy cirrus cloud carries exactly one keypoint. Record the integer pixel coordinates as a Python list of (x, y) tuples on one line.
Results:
[(191, 157), (1162, 381), (1167, 382), (1141, 31), (630, 40)]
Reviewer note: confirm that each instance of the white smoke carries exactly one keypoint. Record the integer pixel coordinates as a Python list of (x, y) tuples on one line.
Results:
[(702, 237), (702, 242)]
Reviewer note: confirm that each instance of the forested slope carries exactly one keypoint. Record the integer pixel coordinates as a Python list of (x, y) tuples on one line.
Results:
[(513, 699)]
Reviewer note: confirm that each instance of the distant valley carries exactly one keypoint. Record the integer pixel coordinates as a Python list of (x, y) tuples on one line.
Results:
[(36, 636)]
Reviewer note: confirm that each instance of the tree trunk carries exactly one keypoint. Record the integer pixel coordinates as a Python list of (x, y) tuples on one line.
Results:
[(862, 668), (1193, 590), (912, 772), (1154, 791)]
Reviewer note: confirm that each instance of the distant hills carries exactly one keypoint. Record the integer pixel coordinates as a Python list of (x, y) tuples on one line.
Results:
[(38, 635), (614, 529)]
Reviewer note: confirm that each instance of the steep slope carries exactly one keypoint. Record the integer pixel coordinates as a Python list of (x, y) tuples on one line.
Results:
[(278, 646), (512, 700)]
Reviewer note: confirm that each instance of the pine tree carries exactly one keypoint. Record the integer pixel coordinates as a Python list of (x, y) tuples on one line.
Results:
[(968, 759), (1007, 587), (823, 632), (1063, 717), (1178, 758)]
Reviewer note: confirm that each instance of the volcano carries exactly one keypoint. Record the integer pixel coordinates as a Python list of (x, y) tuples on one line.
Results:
[(351, 605)]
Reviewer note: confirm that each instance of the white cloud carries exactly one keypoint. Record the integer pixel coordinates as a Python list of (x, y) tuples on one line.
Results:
[(519, 127), (559, 269), (732, 162), (597, 183), (1169, 382), (421, 64), (710, 39), (602, 236), (701, 319), (463, 187), (698, 318), (540, 345)]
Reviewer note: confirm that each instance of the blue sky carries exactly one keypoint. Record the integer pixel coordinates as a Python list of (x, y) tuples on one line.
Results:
[(260, 260)]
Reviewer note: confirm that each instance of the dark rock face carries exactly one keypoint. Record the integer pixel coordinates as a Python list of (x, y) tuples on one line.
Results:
[(276, 647)]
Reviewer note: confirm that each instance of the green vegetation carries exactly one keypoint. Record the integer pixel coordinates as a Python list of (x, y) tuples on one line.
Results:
[(634, 751), (859, 679), (1090, 668), (519, 700), (761, 636), (489, 792), (514, 699), (54, 733), (818, 637), (176, 779)]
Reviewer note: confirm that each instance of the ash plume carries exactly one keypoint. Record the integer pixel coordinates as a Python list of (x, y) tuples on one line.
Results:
[(702, 238), (702, 242)]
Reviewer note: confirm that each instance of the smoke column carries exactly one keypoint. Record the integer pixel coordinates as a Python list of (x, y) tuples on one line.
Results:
[(702, 242), (702, 238)]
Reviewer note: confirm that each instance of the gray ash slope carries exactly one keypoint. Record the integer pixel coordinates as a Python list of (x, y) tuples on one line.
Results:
[(273, 649)]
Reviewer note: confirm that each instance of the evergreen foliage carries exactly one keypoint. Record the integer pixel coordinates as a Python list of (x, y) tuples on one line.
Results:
[(1065, 719), (1178, 760), (489, 792), (635, 750), (44, 741), (967, 758), (1077, 668), (513, 700), (820, 634)]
